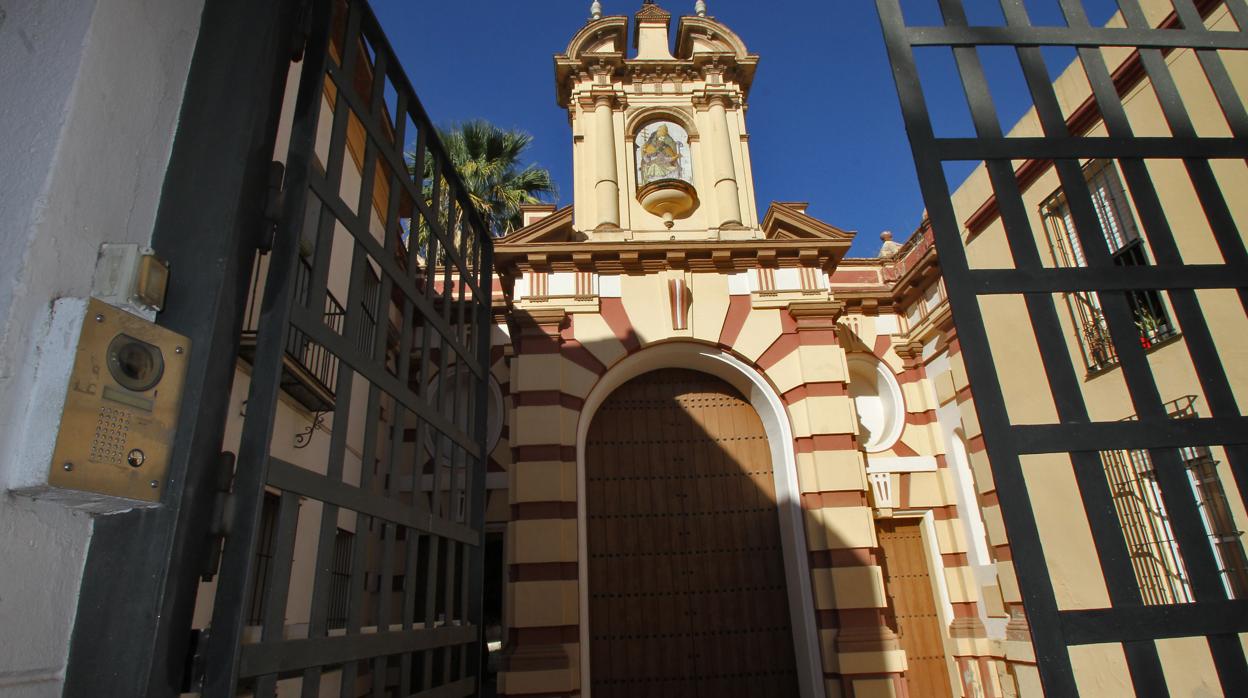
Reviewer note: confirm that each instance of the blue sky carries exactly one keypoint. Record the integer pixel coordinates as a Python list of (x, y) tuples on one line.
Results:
[(824, 121)]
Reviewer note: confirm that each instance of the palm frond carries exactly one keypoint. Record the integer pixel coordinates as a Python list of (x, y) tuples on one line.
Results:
[(488, 160)]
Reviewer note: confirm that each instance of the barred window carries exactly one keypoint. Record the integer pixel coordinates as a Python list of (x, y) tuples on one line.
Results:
[(1109, 199), (340, 580), (1154, 554), (263, 568)]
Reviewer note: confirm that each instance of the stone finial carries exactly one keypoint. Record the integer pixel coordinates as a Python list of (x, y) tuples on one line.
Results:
[(595, 10), (699, 8), (889, 248)]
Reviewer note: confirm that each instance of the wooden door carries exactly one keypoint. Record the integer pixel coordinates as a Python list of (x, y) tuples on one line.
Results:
[(912, 607), (686, 575)]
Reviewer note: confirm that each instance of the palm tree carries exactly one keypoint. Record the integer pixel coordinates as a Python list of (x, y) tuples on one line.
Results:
[(488, 161)]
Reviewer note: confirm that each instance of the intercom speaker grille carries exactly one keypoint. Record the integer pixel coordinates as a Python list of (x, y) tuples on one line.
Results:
[(111, 430)]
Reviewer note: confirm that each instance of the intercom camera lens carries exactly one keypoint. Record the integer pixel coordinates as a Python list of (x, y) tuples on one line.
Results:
[(135, 364)]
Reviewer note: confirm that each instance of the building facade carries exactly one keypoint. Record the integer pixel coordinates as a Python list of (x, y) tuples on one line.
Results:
[(657, 304), (648, 314), (721, 457)]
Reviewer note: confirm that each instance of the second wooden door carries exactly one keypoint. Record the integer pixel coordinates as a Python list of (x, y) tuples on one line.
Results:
[(913, 608)]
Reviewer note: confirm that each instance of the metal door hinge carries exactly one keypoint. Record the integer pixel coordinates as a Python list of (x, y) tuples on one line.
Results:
[(222, 515), (274, 197)]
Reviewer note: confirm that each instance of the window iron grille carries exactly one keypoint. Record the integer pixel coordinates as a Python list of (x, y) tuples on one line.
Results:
[(1155, 555), (1127, 248), (264, 558), (1141, 45), (340, 580), (309, 370)]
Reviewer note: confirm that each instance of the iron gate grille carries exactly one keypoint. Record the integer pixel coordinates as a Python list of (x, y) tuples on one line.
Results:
[(1065, 146), (375, 549)]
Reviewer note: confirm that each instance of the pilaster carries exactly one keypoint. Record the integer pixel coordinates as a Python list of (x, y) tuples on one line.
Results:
[(717, 100), (542, 655)]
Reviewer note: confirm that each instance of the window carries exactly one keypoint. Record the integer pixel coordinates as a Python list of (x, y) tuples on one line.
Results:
[(1145, 525), (1127, 248), (1215, 512), (263, 570), (340, 580)]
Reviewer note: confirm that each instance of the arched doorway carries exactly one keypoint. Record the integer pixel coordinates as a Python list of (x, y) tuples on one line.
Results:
[(686, 575)]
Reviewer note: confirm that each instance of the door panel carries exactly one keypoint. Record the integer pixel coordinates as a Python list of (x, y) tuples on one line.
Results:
[(908, 582), (686, 572)]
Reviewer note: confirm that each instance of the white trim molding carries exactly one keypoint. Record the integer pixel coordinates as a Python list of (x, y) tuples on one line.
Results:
[(771, 411)]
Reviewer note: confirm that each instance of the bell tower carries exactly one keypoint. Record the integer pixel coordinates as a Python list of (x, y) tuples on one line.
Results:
[(660, 145), (661, 262)]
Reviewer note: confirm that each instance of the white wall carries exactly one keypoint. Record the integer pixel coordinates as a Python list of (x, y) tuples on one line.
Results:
[(91, 93)]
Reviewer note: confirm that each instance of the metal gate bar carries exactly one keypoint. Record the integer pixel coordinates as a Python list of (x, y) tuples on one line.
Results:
[(413, 357), (1128, 621)]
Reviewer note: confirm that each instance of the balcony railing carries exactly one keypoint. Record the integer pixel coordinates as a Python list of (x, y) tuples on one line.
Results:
[(309, 370), (1098, 348)]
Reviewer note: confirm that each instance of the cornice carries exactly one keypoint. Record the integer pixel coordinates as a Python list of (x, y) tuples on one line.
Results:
[(866, 301), (636, 257), (706, 97), (599, 94), (816, 314)]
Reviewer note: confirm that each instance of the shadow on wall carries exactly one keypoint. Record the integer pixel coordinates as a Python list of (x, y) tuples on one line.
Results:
[(687, 582), (686, 575)]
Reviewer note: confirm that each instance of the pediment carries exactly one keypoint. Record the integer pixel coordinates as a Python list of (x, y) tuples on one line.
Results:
[(652, 11), (557, 227), (606, 35), (706, 34), (786, 221)]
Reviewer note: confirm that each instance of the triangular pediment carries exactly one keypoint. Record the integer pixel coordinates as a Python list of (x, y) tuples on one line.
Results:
[(652, 11), (787, 221), (557, 227)]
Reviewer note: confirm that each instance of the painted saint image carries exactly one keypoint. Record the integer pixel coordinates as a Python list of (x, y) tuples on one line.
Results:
[(662, 153)]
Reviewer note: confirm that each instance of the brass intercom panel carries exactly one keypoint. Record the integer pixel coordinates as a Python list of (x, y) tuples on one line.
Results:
[(121, 408)]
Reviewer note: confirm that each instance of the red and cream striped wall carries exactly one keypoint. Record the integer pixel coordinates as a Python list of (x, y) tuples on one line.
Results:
[(567, 330)]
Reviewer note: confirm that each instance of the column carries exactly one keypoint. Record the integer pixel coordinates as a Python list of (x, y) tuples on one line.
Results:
[(727, 198), (606, 172)]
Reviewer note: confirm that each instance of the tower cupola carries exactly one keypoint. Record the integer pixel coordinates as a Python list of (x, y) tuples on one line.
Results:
[(660, 146)]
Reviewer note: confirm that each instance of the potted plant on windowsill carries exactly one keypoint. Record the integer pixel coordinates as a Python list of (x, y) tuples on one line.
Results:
[(1148, 325)]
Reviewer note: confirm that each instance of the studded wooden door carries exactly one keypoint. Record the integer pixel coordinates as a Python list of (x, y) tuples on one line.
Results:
[(913, 608), (686, 575)]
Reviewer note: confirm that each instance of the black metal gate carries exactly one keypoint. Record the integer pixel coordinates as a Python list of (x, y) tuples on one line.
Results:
[(375, 318), (1129, 620)]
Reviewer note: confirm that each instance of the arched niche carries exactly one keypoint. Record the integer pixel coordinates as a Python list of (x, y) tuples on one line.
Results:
[(878, 401), (766, 401)]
